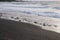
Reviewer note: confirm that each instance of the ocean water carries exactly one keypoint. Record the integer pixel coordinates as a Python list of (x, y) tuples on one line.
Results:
[(48, 10)]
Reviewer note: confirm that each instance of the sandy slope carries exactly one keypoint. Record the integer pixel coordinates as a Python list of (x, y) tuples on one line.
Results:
[(12, 30), (52, 24)]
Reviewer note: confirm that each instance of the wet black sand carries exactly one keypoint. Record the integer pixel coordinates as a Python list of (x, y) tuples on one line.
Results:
[(11, 30)]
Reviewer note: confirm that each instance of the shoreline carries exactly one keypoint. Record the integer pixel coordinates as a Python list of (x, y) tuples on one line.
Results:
[(47, 23)]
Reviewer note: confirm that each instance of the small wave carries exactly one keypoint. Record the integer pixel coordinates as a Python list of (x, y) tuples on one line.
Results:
[(50, 14), (47, 14), (37, 7), (58, 8)]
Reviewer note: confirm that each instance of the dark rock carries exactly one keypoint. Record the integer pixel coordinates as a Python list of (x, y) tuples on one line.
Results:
[(12, 17), (35, 22), (44, 24), (17, 18)]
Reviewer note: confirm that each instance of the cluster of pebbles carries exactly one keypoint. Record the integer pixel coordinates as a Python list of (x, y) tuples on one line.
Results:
[(27, 20)]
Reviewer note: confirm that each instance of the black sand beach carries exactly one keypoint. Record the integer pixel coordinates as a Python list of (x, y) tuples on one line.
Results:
[(11, 30)]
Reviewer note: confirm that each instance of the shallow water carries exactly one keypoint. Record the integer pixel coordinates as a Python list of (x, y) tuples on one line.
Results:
[(36, 9)]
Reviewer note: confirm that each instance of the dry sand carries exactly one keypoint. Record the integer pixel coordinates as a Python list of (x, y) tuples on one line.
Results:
[(12, 30)]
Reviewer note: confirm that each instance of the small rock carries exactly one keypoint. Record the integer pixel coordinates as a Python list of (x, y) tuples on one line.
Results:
[(35, 22)]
